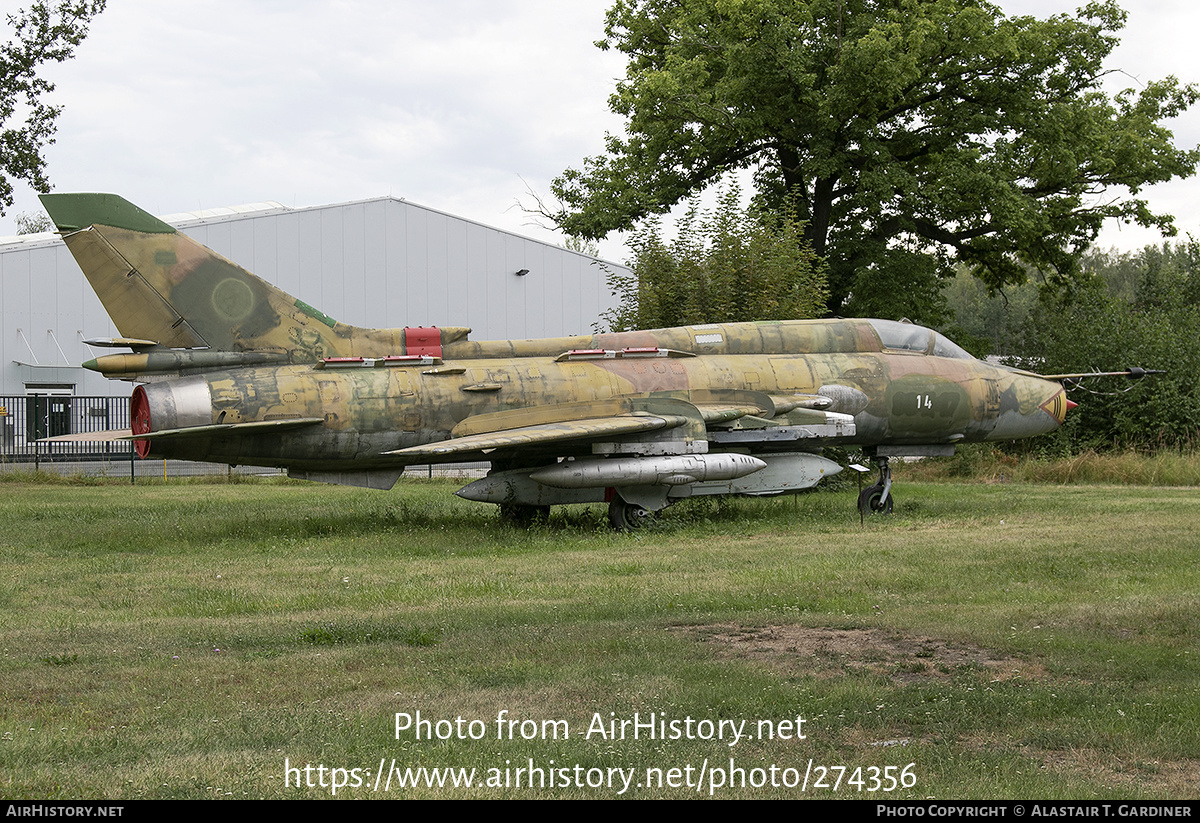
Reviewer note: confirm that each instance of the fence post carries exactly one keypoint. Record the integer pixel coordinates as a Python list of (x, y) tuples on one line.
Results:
[(37, 416)]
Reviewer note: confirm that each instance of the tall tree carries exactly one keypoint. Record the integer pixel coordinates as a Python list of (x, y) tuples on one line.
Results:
[(940, 128), (723, 266), (32, 223), (43, 33), (1140, 309)]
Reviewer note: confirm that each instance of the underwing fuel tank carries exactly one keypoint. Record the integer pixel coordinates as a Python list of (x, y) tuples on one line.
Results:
[(781, 473), (675, 470)]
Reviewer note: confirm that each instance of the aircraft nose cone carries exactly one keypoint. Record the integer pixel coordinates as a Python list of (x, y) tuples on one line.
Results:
[(1030, 406), (1058, 406)]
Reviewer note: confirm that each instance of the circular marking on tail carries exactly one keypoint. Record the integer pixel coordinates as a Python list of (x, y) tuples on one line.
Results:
[(232, 299)]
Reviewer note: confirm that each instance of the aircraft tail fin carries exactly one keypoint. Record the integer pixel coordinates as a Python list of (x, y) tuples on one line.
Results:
[(159, 284), (74, 212)]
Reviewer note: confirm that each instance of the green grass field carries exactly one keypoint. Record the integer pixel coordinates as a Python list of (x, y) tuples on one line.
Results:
[(1009, 640)]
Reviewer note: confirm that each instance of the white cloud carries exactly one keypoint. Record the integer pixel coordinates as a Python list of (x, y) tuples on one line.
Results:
[(456, 104)]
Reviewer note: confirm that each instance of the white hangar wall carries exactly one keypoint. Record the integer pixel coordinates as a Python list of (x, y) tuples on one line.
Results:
[(376, 263)]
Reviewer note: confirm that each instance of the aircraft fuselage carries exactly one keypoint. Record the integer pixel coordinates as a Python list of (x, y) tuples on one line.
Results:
[(369, 409), (243, 373)]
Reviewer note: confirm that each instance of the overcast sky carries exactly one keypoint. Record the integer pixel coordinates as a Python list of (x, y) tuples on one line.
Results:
[(460, 105)]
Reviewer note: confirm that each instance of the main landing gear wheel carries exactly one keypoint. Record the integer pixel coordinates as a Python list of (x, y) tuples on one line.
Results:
[(523, 516), (870, 501), (626, 517)]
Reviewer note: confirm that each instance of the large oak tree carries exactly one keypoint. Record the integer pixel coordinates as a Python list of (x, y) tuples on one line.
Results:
[(938, 129)]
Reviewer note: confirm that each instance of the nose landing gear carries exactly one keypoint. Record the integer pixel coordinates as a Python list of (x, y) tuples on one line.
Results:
[(877, 498)]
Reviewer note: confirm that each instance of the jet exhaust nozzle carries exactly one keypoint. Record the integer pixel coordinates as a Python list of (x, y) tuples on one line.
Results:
[(163, 407)]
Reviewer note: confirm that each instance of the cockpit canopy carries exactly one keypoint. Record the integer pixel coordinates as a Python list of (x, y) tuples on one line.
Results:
[(909, 337)]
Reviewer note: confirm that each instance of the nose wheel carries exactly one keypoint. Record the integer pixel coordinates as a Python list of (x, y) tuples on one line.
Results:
[(872, 501), (877, 499)]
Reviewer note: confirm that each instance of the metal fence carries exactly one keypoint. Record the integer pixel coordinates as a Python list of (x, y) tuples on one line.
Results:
[(26, 419)]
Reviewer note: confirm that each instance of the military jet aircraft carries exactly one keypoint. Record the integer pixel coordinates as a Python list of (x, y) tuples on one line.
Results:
[(237, 371)]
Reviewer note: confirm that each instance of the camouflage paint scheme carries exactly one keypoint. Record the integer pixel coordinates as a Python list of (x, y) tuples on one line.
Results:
[(242, 373)]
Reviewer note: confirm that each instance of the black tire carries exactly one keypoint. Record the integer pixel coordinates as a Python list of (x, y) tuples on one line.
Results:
[(870, 501), (626, 517)]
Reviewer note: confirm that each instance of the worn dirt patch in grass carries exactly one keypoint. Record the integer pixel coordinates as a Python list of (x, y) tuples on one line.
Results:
[(1155, 777), (1160, 777), (909, 659), (826, 652)]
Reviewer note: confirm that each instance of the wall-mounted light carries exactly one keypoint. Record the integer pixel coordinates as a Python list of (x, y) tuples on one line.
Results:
[(522, 272)]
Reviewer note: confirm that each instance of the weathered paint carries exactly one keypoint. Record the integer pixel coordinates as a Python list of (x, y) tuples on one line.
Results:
[(369, 411), (265, 379)]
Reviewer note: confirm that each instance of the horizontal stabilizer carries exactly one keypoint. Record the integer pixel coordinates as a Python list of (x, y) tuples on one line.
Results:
[(90, 437), (261, 426), (189, 431)]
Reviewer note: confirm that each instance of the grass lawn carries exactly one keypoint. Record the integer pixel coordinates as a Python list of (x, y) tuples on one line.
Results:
[(1010, 640)]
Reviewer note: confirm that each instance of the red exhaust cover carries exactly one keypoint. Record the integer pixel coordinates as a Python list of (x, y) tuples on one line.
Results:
[(139, 420)]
